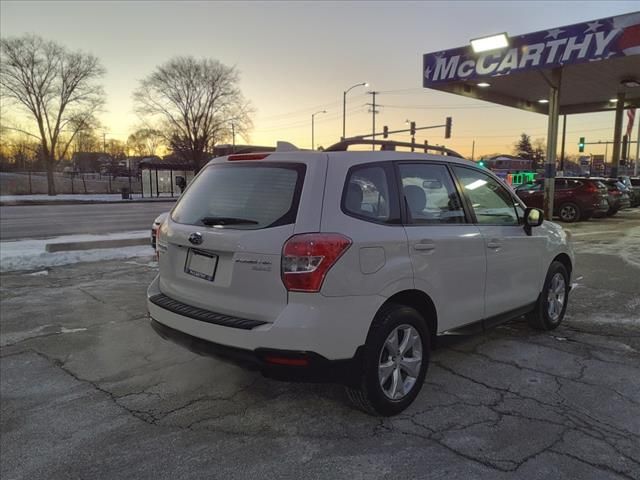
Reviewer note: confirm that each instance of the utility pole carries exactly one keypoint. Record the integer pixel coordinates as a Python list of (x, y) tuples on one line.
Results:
[(104, 142), (373, 116), (473, 150), (233, 135), (313, 138)]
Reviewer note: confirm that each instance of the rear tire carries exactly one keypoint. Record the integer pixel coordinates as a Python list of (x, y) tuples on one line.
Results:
[(569, 212), (553, 300), (392, 377)]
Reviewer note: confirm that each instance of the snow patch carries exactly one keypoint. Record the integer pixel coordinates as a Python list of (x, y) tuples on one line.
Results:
[(41, 273), (31, 254), (72, 330)]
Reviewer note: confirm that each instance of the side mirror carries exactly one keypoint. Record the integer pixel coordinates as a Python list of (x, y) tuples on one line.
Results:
[(532, 218)]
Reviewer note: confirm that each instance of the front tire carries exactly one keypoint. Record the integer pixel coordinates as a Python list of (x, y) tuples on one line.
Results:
[(553, 300), (395, 361), (569, 212)]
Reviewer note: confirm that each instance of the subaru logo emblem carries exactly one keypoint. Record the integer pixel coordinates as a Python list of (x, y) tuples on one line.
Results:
[(195, 238)]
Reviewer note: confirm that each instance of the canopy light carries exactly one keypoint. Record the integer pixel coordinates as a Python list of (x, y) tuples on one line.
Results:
[(543, 100), (493, 42), (613, 100), (630, 83), (484, 84)]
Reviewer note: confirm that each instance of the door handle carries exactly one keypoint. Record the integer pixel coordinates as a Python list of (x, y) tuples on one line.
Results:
[(424, 246), (493, 243)]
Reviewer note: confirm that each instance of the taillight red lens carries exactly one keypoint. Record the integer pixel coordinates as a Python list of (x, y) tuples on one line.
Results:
[(307, 258), (251, 156)]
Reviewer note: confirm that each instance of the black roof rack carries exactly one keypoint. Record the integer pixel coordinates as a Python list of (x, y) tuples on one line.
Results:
[(390, 145)]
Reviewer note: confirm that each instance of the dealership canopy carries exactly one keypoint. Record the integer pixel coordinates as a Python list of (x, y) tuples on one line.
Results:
[(586, 67), (599, 59)]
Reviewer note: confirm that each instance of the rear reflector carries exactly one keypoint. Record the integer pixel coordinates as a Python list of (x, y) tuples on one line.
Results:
[(307, 258), (293, 362), (248, 156)]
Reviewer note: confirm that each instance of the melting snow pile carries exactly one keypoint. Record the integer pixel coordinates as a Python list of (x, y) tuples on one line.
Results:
[(31, 254)]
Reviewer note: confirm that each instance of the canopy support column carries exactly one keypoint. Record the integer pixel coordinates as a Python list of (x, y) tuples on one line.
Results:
[(617, 136), (552, 143)]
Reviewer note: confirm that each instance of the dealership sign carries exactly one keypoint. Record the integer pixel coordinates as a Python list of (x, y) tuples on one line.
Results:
[(583, 42)]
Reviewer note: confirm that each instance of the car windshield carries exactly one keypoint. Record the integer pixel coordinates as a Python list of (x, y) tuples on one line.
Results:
[(242, 196)]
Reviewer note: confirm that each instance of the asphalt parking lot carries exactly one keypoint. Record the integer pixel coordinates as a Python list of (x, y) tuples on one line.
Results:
[(90, 391)]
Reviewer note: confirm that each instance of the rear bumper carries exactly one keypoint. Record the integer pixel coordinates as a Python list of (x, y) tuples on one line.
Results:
[(332, 327), (287, 365)]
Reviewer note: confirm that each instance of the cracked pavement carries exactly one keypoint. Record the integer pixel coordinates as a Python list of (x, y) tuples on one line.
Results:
[(88, 390)]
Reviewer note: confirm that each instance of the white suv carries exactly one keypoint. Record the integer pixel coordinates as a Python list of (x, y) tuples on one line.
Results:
[(344, 266)]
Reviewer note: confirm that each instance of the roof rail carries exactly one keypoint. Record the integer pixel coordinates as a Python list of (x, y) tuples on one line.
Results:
[(390, 145)]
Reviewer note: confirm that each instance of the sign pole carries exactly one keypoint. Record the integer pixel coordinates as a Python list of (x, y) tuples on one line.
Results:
[(552, 143)]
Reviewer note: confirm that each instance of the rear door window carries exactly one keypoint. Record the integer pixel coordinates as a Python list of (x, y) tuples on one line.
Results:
[(242, 196), (368, 194)]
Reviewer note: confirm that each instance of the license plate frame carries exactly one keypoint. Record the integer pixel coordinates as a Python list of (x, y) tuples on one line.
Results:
[(201, 264)]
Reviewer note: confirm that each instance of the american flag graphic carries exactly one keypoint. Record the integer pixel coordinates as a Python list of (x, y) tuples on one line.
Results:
[(631, 115)]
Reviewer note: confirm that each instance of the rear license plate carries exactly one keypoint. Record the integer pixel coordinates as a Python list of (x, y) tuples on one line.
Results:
[(201, 264)]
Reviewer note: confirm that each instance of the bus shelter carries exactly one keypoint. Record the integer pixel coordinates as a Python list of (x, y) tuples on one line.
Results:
[(586, 67), (166, 177)]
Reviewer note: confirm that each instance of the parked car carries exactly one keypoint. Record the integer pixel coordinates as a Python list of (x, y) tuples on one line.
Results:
[(575, 198), (345, 266), (619, 198), (154, 227), (633, 184)]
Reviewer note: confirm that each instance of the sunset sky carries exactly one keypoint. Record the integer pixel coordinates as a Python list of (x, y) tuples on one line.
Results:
[(296, 58)]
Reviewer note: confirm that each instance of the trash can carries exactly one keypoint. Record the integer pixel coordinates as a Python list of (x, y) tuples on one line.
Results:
[(126, 193)]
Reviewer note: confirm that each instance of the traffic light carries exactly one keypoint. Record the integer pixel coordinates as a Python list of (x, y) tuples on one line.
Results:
[(481, 163), (581, 145), (385, 132), (447, 128), (413, 128)]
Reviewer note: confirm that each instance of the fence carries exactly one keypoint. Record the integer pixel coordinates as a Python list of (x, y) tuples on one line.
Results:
[(18, 183)]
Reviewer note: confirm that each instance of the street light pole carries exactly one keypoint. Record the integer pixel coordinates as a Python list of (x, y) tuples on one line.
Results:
[(313, 115), (344, 105)]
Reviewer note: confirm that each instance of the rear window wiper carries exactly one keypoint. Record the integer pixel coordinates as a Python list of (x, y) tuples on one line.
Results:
[(209, 221)]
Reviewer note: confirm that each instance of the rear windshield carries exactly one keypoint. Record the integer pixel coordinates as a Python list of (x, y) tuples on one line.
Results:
[(242, 196)]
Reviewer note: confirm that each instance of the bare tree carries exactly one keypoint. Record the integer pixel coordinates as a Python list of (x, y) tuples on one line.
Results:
[(194, 101), (145, 141), (56, 87)]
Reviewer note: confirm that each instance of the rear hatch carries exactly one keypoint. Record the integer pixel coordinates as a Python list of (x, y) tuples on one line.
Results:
[(221, 247)]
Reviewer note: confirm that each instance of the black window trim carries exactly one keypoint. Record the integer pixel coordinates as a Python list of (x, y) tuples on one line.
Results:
[(469, 205), (290, 216), (456, 186), (395, 209)]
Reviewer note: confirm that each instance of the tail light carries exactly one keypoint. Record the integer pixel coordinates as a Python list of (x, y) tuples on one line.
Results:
[(157, 238), (592, 187), (307, 258)]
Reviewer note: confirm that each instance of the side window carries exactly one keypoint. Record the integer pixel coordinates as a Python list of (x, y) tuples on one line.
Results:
[(491, 202), (430, 195), (366, 194)]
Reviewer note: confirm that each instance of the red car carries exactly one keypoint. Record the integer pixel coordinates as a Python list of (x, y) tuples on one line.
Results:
[(575, 198)]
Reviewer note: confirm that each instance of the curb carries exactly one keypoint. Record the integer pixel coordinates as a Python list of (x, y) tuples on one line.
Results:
[(94, 244)]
